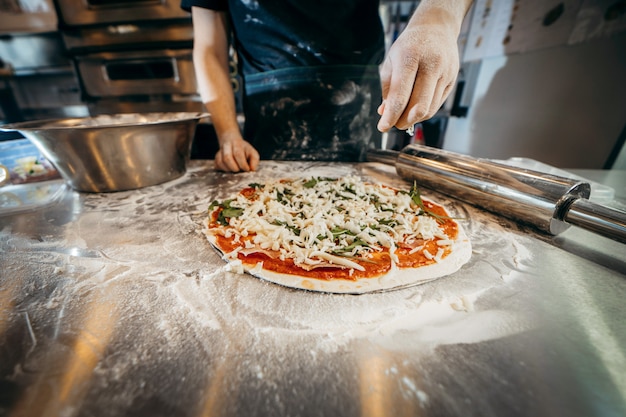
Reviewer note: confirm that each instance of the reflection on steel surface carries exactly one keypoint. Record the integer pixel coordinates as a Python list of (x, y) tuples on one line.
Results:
[(118, 300)]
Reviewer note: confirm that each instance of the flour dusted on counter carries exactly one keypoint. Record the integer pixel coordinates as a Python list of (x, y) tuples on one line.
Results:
[(442, 312), (145, 248)]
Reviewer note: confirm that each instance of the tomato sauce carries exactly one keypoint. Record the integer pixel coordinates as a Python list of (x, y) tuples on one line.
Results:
[(376, 266), (417, 259)]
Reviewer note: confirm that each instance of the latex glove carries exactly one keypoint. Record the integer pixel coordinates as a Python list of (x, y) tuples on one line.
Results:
[(419, 71), (236, 154)]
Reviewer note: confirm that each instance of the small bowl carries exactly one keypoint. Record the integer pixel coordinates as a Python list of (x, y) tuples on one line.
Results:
[(115, 152)]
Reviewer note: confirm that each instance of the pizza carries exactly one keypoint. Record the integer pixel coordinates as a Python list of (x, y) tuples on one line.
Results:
[(340, 235)]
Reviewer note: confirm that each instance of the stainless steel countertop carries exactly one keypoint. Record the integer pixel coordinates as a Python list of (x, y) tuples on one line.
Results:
[(115, 304)]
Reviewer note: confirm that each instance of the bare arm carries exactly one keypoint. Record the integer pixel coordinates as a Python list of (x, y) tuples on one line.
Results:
[(210, 55), (422, 64)]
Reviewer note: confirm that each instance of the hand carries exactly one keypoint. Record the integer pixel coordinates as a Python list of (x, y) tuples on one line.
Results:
[(211, 58), (236, 154), (418, 73)]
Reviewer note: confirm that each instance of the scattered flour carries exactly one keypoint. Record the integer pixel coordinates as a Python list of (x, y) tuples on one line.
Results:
[(143, 252)]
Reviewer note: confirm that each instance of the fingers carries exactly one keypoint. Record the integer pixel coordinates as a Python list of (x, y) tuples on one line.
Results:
[(240, 158), (235, 156), (220, 164), (404, 105), (426, 98), (421, 101), (397, 78), (440, 96), (385, 81), (417, 76), (253, 159)]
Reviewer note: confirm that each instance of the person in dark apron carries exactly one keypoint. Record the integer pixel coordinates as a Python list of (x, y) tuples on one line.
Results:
[(311, 83)]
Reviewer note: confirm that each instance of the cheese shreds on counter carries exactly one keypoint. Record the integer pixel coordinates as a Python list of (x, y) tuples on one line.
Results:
[(316, 221)]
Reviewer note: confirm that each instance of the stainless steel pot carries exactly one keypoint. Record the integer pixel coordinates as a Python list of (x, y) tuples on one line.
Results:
[(115, 152)]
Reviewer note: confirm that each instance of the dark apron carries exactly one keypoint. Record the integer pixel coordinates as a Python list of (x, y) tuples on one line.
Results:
[(313, 113)]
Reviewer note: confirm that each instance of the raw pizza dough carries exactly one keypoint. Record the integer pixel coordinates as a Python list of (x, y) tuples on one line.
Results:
[(459, 254)]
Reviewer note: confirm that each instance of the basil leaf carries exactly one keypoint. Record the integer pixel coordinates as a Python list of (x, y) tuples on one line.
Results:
[(313, 181), (232, 212), (214, 204), (310, 183), (417, 199), (350, 247), (227, 213), (337, 231), (295, 230)]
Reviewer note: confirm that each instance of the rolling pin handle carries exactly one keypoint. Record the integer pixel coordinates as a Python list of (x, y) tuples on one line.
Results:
[(384, 156), (598, 219)]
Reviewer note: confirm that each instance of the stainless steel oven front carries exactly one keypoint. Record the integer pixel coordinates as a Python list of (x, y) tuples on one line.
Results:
[(33, 16), (88, 12), (134, 73)]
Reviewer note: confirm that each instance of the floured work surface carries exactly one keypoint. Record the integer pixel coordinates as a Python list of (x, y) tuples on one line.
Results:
[(115, 304)]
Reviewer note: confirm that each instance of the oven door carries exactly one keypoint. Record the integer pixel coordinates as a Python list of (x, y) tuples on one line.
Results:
[(31, 53), (27, 17), (176, 34), (87, 12), (132, 73)]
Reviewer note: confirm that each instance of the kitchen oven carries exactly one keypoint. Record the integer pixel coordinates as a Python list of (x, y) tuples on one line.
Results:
[(37, 79), (132, 73), (139, 80), (33, 16), (89, 12), (131, 56)]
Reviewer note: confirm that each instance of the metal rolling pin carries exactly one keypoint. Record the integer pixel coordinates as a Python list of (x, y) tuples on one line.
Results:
[(548, 202)]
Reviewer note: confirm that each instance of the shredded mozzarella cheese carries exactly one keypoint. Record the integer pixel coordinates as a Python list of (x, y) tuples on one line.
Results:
[(313, 219)]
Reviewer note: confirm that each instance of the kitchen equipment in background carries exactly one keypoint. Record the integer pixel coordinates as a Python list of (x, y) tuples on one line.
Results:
[(131, 71), (37, 79), (33, 16), (25, 163), (89, 12), (27, 53), (48, 95), (31, 181), (171, 34), (131, 56), (112, 74), (542, 88), (115, 152), (547, 202), (395, 15)]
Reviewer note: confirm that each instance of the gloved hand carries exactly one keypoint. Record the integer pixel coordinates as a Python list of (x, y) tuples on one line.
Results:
[(422, 64)]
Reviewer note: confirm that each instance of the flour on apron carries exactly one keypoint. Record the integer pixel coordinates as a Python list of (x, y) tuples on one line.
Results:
[(325, 114)]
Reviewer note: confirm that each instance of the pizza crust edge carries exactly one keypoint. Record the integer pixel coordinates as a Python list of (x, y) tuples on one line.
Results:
[(397, 278)]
